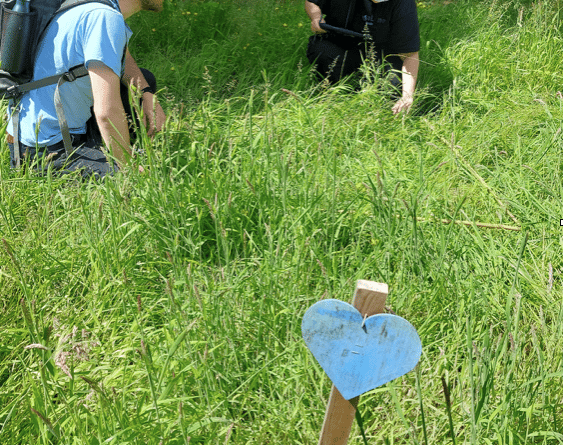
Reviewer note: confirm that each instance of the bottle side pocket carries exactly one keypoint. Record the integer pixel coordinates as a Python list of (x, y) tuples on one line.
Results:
[(8, 4), (18, 32)]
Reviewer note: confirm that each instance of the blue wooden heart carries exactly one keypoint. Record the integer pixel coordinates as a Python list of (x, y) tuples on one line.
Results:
[(358, 356)]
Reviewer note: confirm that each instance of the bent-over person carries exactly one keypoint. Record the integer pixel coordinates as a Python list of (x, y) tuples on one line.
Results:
[(391, 26), (96, 107)]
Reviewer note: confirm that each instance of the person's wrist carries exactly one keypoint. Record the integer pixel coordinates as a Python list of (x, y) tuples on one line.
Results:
[(407, 98), (316, 25)]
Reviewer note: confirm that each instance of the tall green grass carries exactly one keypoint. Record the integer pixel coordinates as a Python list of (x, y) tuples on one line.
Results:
[(165, 307)]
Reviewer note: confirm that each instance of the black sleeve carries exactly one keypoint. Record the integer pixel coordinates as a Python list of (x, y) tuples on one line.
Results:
[(404, 33)]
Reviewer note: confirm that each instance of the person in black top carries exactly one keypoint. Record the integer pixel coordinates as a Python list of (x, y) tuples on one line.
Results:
[(390, 26)]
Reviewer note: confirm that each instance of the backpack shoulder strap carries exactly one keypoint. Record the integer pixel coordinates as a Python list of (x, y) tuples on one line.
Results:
[(48, 9), (68, 4)]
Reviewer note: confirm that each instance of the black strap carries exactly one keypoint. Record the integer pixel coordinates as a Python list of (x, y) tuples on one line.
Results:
[(350, 14), (63, 124), (70, 76), (16, 129)]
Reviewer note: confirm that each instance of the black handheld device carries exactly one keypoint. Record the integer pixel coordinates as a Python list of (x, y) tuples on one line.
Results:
[(343, 31)]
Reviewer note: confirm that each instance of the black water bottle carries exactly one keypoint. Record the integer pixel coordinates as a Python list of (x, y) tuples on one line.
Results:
[(17, 35), (21, 6)]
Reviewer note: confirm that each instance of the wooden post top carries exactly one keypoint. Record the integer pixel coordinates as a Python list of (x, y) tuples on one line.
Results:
[(370, 297)]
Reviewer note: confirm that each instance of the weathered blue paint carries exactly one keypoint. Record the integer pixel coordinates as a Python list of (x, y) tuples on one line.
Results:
[(359, 358)]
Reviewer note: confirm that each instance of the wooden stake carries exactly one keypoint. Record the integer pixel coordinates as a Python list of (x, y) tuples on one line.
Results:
[(369, 299)]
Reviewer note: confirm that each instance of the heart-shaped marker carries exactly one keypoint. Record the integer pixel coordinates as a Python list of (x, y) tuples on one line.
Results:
[(359, 356)]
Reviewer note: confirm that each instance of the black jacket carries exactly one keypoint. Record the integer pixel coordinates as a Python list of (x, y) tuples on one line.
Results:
[(395, 22)]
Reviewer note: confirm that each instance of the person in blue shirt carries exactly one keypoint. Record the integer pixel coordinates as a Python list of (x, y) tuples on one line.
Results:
[(393, 31), (96, 35)]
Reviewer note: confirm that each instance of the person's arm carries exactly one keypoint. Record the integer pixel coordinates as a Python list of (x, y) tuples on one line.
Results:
[(410, 73), (109, 111), (153, 113), (316, 15)]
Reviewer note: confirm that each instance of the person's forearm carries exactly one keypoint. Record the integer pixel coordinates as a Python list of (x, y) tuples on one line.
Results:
[(313, 11), (115, 132), (410, 73), (316, 15), (154, 117), (132, 74)]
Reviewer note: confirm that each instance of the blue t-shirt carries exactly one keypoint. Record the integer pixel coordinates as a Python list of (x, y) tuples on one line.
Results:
[(93, 32)]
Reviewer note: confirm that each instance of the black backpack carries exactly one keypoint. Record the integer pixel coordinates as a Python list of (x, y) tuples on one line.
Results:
[(17, 55)]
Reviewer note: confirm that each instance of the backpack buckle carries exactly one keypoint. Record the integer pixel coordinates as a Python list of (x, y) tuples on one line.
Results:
[(69, 76), (13, 91)]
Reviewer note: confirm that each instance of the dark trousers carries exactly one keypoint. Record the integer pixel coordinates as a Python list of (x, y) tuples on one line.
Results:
[(336, 57), (88, 157)]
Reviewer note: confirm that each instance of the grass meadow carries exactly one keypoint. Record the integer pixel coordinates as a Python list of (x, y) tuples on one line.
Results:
[(165, 307)]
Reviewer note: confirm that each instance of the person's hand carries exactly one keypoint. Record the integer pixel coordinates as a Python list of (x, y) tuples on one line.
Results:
[(316, 28), (153, 115), (403, 105)]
